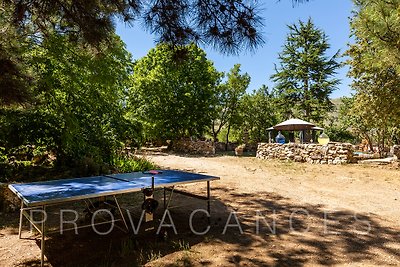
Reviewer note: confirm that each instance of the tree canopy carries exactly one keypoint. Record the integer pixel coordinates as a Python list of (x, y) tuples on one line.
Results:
[(258, 109), (305, 75), (172, 98), (227, 25), (14, 79), (376, 27), (229, 95), (76, 109), (374, 67)]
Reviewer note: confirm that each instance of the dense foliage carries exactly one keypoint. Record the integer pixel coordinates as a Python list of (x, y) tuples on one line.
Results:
[(76, 111), (229, 96), (173, 99), (374, 67), (71, 96), (229, 26), (14, 78), (258, 114), (84, 91), (305, 75)]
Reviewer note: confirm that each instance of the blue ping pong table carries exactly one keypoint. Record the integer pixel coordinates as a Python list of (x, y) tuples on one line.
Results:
[(39, 195)]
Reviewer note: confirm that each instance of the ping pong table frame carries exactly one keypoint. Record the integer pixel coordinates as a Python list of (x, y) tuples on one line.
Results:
[(42, 227)]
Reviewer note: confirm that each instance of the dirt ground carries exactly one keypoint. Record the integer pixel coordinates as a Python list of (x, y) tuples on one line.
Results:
[(288, 214)]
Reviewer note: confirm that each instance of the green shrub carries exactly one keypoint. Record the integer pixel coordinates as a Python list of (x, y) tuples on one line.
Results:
[(338, 134), (3, 155), (132, 164)]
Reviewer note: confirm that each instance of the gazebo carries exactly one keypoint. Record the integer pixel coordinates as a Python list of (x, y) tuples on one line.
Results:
[(294, 125)]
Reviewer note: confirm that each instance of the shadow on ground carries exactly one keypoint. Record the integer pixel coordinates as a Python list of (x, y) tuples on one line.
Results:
[(288, 234), (293, 234), (186, 155)]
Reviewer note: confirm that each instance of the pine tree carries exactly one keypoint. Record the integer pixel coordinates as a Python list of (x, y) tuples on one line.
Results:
[(374, 61), (305, 77)]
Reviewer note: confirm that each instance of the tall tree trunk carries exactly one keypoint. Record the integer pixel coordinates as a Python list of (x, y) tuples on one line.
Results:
[(215, 134), (369, 141), (381, 146), (227, 137), (307, 103)]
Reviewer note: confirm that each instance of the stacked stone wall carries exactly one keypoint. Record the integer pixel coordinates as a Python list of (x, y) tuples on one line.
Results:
[(332, 153), (396, 151), (193, 147)]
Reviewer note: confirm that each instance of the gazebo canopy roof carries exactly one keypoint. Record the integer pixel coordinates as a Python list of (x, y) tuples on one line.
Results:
[(317, 128), (293, 125)]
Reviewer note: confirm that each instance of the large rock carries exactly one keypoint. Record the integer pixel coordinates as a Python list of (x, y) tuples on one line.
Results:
[(239, 150)]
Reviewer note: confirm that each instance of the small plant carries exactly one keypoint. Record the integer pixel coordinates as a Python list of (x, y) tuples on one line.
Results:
[(141, 258), (208, 239), (181, 245), (152, 256)]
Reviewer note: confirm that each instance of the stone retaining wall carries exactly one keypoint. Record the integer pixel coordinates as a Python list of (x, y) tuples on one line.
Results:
[(332, 153), (220, 146), (193, 147), (396, 151)]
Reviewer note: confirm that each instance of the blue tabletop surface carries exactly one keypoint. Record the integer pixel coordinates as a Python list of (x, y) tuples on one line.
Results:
[(57, 191), (164, 177)]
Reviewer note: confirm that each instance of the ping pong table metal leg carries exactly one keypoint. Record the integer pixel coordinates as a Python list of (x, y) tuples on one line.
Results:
[(120, 212), (165, 195), (170, 197), (208, 198), (43, 233), (209, 201), (21, 215), (166, 204)]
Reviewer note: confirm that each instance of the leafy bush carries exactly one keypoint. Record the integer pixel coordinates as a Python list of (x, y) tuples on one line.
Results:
[(338, 134), (78, 109), (18, 170), (3, 155), (132, 164), (36, 127)]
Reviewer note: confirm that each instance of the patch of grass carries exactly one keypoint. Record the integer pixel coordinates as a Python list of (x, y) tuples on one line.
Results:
[(152, 256), (181, 245), (208, 239)]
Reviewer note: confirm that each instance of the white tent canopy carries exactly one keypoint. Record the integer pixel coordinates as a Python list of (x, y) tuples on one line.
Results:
[(293, 125)]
